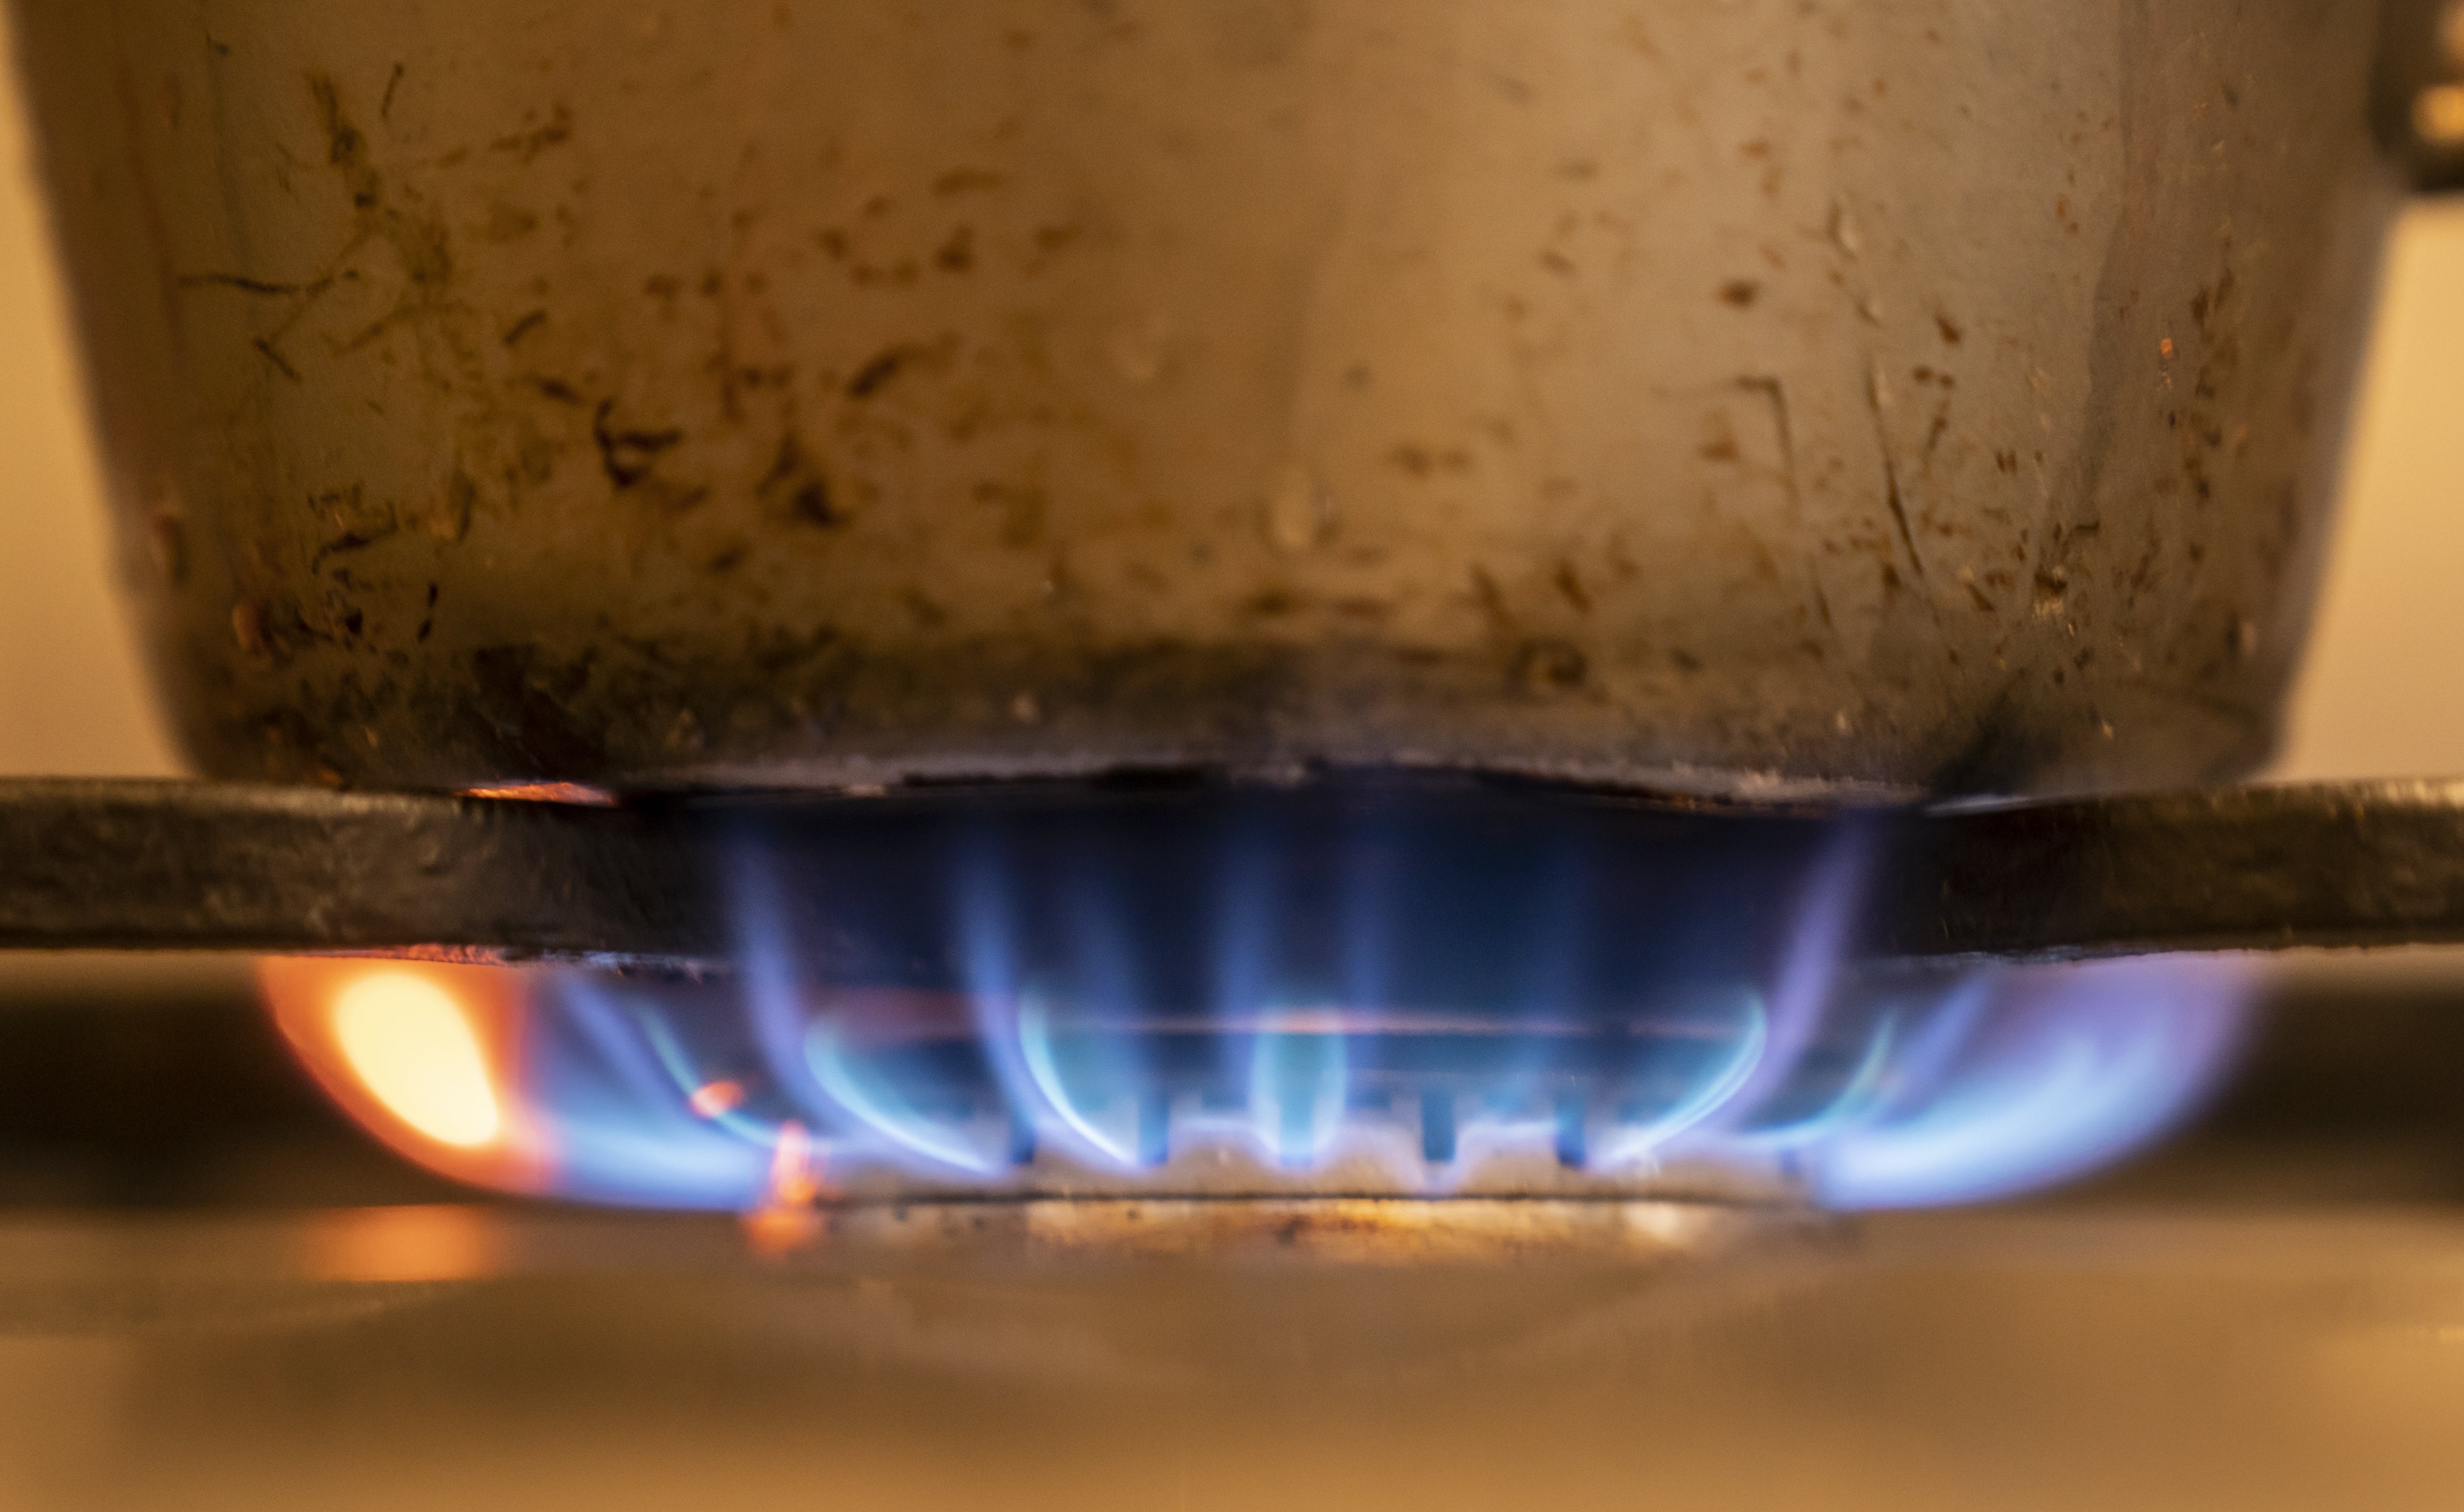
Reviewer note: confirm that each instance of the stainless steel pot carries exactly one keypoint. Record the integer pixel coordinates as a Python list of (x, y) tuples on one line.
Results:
[(1897, 395)]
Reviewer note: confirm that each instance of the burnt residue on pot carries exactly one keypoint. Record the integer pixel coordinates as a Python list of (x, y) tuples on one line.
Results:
[(1896, 397)]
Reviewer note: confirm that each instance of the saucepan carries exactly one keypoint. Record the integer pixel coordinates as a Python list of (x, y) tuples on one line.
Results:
[(1866, 397)]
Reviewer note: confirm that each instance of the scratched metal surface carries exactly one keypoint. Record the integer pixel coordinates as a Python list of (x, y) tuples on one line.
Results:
[(1900, 397)]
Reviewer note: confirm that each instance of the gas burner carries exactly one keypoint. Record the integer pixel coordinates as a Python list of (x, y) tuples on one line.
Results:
[(789, 1092)]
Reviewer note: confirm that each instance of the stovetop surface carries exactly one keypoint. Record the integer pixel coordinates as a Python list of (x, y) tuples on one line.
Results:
[(480, 1358)]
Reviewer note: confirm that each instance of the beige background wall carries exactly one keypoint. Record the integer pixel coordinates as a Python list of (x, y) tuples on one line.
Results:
[(2384, 692), (72, 700), (2384, 695)]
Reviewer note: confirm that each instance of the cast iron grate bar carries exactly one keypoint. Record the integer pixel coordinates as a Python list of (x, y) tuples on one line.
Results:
[(126, 865), (2333, 866), (197, 866)]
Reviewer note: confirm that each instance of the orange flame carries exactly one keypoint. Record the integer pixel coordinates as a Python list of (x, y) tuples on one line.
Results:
[(719, 1099), (425, 1057), (786, 1221)]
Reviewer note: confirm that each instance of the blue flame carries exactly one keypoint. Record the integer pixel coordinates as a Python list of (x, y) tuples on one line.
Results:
[(621, 1122), (1117, 1149), (1639, 1144), (1297, 1089), (878, 1105), (1057, 1048), (1807, 975), (2070, 1069), (1857, 1104)]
